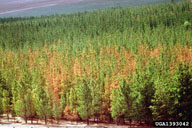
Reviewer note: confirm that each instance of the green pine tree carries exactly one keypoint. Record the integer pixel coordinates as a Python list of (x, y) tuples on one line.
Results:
[(73, 100), (24, 104), (56, 111), (5, 96), (42, 102), (96, 93), (84, 101), (63, 103), (184, 80), (143, 92), (2, 85), (6, 103), (121, 103), (165, 96)]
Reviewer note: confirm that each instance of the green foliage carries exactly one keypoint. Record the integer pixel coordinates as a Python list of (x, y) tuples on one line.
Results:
[(24, 104), (144, 91), (42, 102), (184, 103), (5, 92), (2, 85), (84, 100), (96, 94), (187, 24), (165, 97), (72, 99), (6, 102), (63, 103), (1, 106), (99, 47), (56, 110), (121, 102), (126, 27)]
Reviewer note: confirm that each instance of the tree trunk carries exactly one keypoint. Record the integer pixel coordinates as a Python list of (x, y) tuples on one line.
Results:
[(109, 118), (117, 121), (8, 117), (26, 120), (130, 121), (31, 120), (57, 121), (52, 120), (25, 113), (87, 121), (45, 118), (62, 113), (172, 1), (121, 120)]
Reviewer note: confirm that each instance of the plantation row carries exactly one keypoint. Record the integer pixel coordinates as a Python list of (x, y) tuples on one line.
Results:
[(125, 27), (113, 84)]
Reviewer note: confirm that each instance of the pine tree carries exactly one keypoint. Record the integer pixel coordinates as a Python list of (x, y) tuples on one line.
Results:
[(31, 111), (84, 101), (106, 92), (1, 106), (121, 103), (184, 81), (96, 93), (56, 111), (2, 85), (63, 103), (5, 97), (6, 103), (73, 100), (165, 96), (143, 92), (42, 103), (24, 104)]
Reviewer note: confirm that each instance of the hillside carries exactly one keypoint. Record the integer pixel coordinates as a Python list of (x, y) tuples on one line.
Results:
[(113, 65)]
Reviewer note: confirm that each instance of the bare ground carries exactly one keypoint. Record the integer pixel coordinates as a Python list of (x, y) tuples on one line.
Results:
[(18, 122)]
